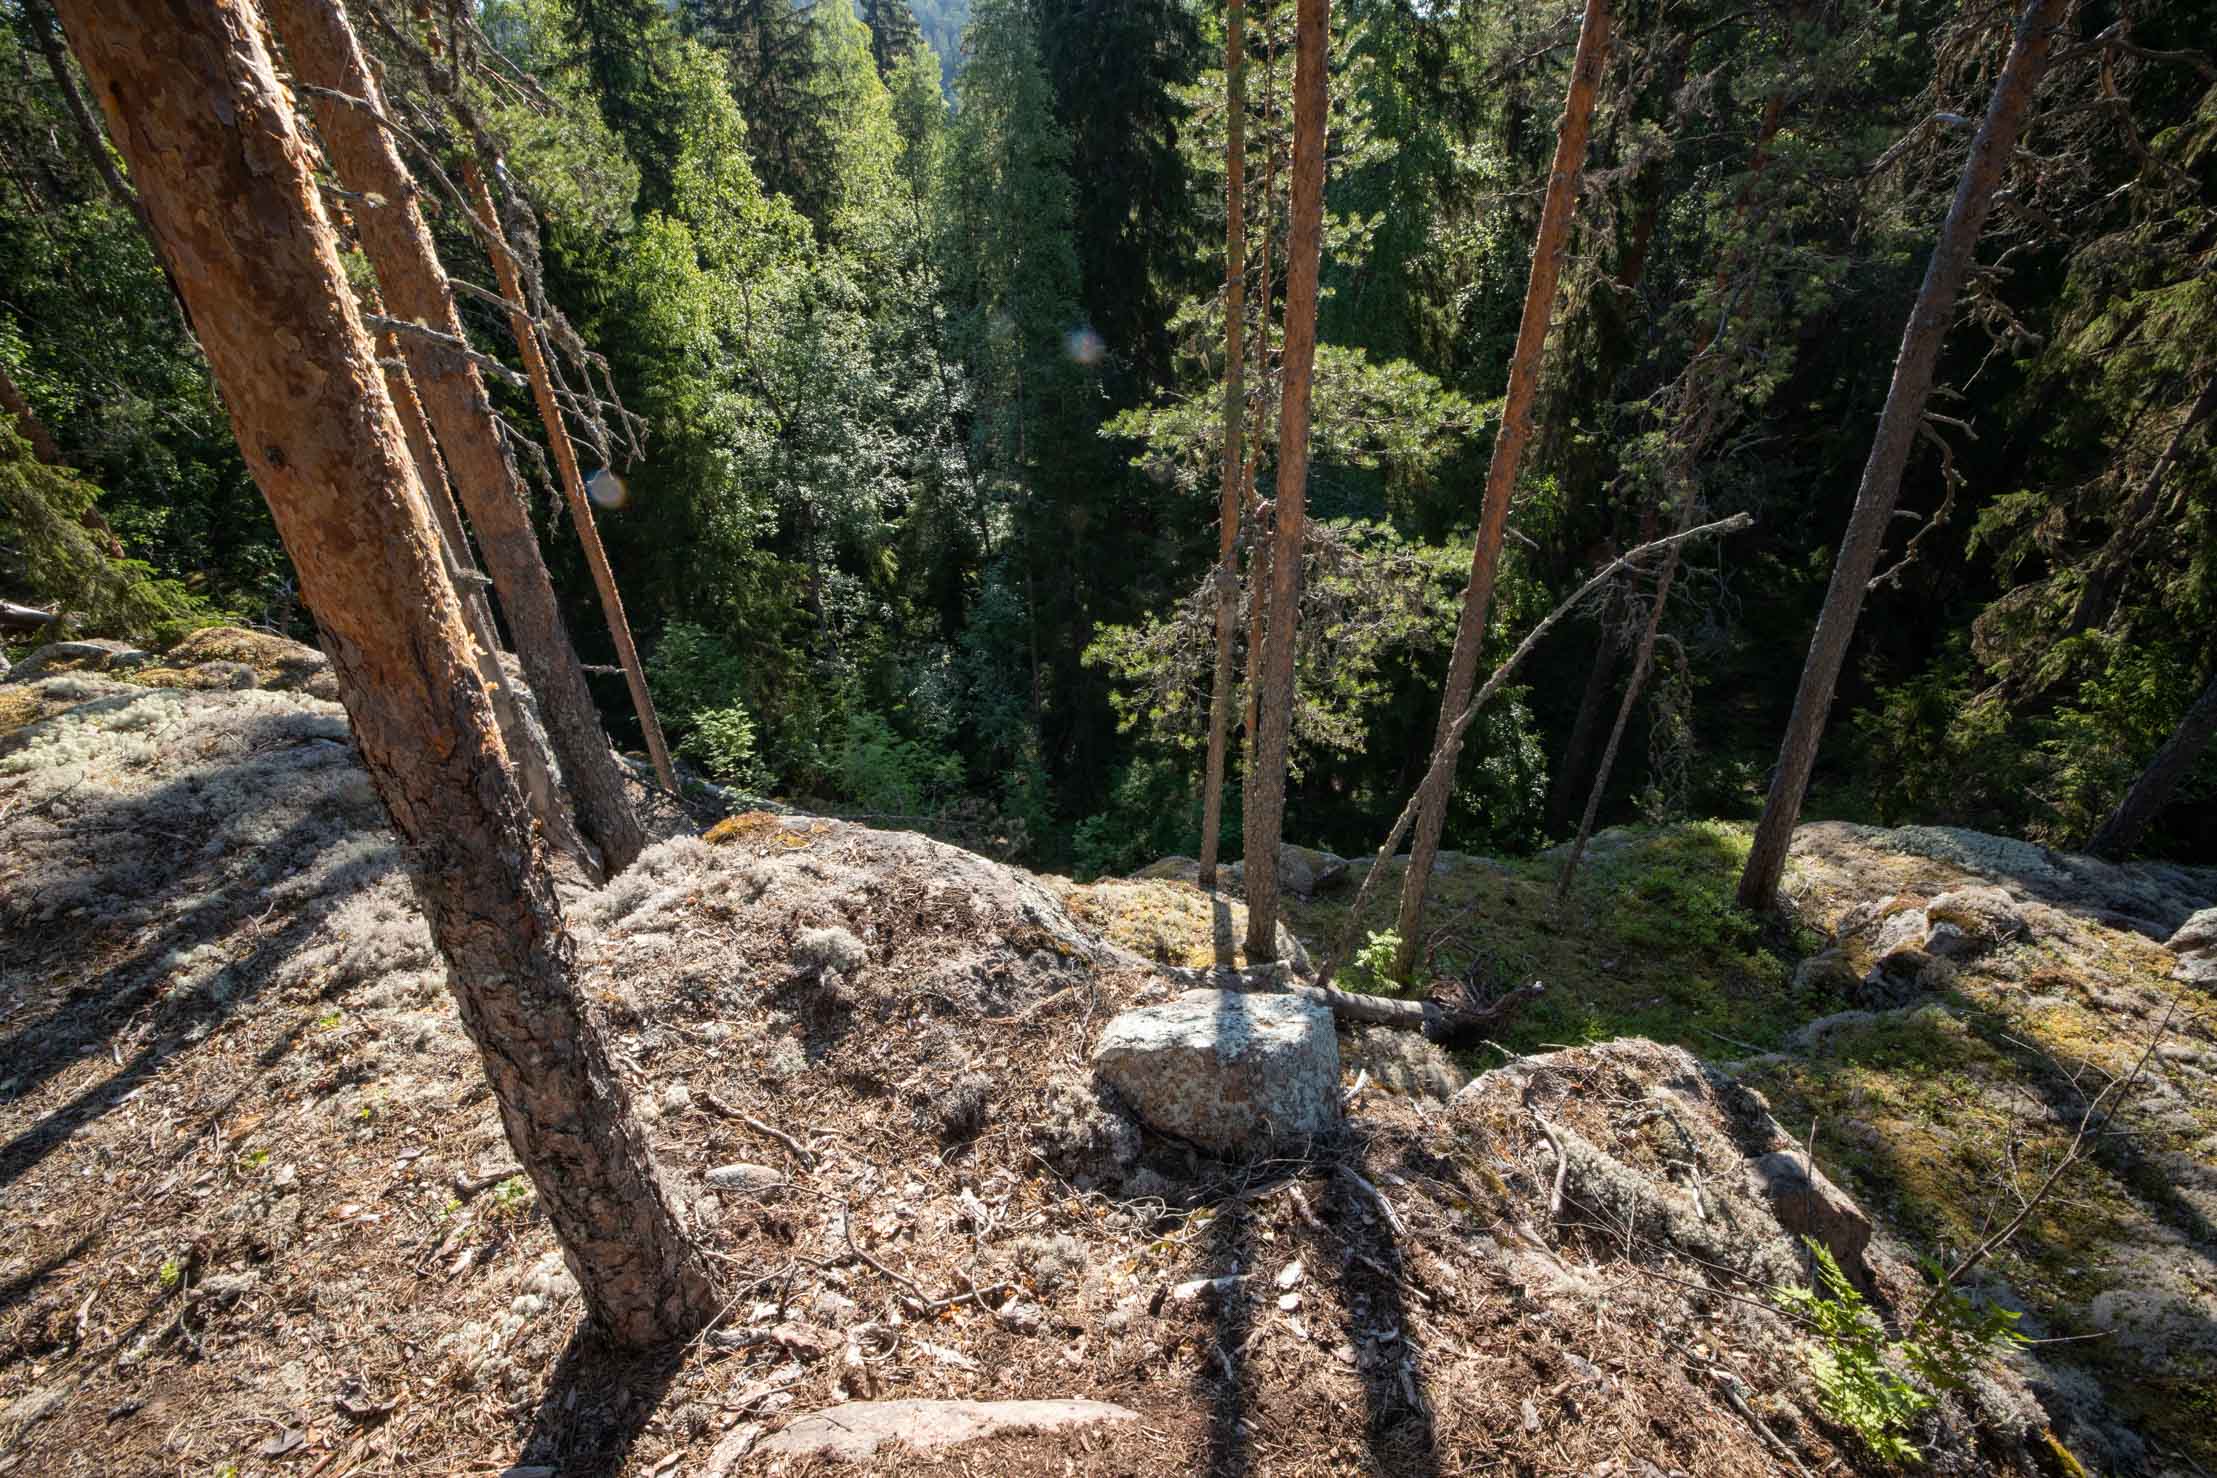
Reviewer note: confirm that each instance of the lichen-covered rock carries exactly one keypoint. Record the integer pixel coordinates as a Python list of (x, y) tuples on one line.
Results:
[(1236, 1073), (98, 654), (1404, 1062), (2195, 944), (277, 664), (1985, 916)]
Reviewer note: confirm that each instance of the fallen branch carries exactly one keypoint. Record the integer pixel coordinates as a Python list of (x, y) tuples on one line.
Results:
[(1445, 753)]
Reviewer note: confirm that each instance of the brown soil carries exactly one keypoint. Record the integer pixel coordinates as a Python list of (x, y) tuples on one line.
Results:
[(261, 1217)]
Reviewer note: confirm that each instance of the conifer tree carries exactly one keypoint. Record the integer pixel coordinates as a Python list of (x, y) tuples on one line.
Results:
[(1501, 474), (193, 105), (894, 34), (1915, 368)]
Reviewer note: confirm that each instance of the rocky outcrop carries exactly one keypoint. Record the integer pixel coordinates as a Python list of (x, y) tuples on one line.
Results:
[(2195, 944), (1668, 1151), (95, 655), (1233, 1072)]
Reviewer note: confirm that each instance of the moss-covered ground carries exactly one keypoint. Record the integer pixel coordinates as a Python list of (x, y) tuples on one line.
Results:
[(1942, 1116)]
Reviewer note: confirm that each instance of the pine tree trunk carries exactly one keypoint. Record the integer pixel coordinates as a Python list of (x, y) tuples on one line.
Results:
[(228, 184), (1508, 450), (1914, 368), (1265, 819), (573, 481), (324, 52), (520, 735), (2172, 763), (1585, 729), (1235, 436)]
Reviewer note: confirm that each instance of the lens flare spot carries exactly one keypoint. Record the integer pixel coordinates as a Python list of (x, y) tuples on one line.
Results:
[(1084, 347), (606, 489)]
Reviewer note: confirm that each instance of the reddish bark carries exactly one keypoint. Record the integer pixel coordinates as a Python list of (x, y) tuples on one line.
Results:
[(1508, 451), (1304, 259), (1914, 369), (194, 105), (325, 52), (1235, 440)]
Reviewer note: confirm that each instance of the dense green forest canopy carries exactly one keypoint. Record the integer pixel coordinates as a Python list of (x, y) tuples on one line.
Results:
[(922, 307)]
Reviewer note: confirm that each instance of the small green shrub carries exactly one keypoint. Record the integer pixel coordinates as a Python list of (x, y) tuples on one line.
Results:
[(1858, 1367), (722, 743), (1372, 967)]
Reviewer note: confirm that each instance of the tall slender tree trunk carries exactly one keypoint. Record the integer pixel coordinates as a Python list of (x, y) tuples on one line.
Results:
[(525, 742), (1258, 534), (573, 481), (194, 105), (325, 52), (1508, 451), (1229, 509), (1585, 729), (1265, 819), (2117, 836), (1914, 368)]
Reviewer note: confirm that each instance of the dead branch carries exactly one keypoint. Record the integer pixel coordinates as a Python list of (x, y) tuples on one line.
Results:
[(1444, 755)]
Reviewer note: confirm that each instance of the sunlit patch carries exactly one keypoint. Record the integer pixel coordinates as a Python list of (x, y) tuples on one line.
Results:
[(1084, 347), (606, 489)]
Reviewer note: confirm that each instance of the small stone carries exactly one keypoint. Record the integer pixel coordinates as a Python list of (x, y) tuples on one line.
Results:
[(855, 1431), (744, 1177)]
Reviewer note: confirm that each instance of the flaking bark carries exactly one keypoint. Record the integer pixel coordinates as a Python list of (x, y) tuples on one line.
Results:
[(325, 52), (194, 106)]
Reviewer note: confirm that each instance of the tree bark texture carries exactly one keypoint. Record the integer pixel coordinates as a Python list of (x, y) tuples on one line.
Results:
[(573, 481), (1508, 451), (1235, 438), (325, 52), (1914, 369), (1265, 817), (524, 740), (2117, 836), (195, 107)]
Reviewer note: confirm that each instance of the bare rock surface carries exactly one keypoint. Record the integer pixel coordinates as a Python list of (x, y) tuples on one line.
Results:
[(854, 1432), (96, 655), (1236, 1073)]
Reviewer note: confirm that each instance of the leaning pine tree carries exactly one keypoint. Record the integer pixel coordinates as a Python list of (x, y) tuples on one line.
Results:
[(1508, 451), (328, 59), (230, 189), (1914, 369)]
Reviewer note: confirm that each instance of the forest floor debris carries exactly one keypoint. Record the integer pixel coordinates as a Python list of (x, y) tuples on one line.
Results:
[(263, 1218)]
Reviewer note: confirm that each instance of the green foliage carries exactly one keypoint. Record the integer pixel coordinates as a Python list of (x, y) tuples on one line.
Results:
[(51, 558), (1859, 1369), (886, 773), (1372, 967), (1154, 811)]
